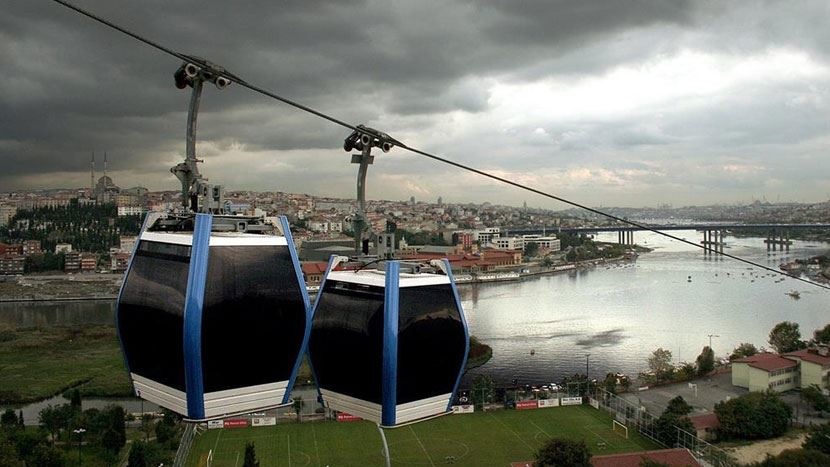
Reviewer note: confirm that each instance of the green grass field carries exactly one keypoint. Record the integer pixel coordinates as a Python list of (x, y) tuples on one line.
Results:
[(479, 439), (37, 363)]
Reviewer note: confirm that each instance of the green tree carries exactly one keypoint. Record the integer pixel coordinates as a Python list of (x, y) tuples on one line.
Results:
[(610, 383), (483, 391), (558, 452), (146, 426), (8, 453), (822, 336), (757, 415), (796, 458), (75, 399), (745, 349), (8, 419), (678, 406), (705, 361), (785, 337), (117, 422), (47, 456), (138, 455), (685, 371), (819, 439), (298, 407), (53, 420), (660, 364), (166, 430), (250, 456), (26, 441), (818, 401), (531, 249), (674, 417)]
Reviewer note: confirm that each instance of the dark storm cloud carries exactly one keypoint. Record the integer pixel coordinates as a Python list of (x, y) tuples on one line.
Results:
[(71, 86)]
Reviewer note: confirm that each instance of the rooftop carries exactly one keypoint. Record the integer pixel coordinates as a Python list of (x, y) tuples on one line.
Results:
[(704, 421), (810, 355), (767, 361), (677, 457)]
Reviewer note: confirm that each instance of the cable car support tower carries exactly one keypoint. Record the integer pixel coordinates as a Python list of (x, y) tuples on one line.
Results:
[(364, 139)]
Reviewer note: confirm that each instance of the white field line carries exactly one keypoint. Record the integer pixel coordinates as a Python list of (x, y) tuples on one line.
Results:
[(422, 445)]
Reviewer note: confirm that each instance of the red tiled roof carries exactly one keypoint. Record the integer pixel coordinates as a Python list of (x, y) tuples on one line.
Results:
[(314, 267), (810, 355), (707, 420), (677, 457), (767, 361)]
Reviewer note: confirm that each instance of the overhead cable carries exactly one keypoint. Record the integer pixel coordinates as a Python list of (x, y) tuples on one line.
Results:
[(420, 152)]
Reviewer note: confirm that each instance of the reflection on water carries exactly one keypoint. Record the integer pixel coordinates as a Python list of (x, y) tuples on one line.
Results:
[(617, 314)]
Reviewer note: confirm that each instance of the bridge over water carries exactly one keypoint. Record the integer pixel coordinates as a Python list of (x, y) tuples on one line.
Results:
[(778, 235)]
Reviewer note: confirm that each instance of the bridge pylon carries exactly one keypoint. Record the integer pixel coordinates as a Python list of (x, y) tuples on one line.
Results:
[(625, 237), (713, 241), (783, 241)]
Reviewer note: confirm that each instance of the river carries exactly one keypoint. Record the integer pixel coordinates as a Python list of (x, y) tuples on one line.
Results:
[(616, 314)]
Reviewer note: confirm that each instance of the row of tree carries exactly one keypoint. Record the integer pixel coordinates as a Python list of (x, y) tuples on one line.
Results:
[(94, 227), (102, 433), (663, 370)]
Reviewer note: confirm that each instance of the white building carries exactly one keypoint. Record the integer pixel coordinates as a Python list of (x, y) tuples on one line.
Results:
[(131, 210), (6, 213), (486, 236), (520, 243), (63, 248), (550, 243)]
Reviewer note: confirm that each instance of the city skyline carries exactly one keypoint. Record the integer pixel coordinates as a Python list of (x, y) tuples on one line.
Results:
[(629, 104)]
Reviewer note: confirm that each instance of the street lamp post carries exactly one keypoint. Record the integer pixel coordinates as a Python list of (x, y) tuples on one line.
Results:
[(710, 339), (587, 365), (80, 432)]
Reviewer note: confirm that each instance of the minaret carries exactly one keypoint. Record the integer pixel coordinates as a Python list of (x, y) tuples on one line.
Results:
[(92, 175), (105, 164)]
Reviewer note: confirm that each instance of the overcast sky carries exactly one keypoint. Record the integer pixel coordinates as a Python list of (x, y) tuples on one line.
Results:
[(623, 103)]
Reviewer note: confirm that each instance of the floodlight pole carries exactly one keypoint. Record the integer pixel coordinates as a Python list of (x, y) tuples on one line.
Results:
[(385, 447)]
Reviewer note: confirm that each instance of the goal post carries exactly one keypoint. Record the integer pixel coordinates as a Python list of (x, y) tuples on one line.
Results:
[(619, 429)]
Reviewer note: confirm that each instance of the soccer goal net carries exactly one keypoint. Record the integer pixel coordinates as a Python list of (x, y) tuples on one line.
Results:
[(619, 429)]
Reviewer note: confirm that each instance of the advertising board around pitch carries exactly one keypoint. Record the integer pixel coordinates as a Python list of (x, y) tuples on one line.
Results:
[(215, 424), (527, 405), (263, 421), (545, 403)]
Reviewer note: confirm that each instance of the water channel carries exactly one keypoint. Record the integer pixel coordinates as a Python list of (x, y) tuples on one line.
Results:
[(672, 297), (615, 314)]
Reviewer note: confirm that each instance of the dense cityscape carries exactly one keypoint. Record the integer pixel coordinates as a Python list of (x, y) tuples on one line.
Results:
[(524, 234)]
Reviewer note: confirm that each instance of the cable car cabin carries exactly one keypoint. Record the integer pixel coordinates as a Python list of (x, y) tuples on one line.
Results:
[(213, 323), (388, 346)]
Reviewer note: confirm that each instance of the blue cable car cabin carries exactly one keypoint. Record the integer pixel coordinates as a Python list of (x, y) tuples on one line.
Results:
[(388, 345), (213, 323)]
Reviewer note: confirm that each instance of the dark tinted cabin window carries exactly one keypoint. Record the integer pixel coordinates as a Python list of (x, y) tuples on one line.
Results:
[(430, 342), (253, 321), (150, 312), (347, 340)]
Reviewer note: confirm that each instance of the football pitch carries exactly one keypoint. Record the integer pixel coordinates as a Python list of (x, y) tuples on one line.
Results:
[(480, 439)]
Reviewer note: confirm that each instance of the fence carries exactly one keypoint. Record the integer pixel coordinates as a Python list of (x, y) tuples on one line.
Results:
[(631, 415), (627, 413), (190, 431)]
